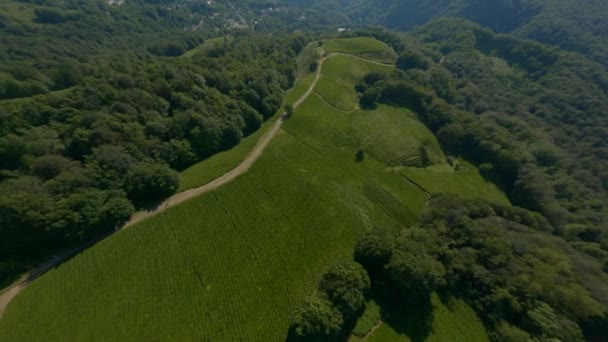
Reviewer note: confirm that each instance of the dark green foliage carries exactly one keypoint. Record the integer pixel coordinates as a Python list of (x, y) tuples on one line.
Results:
[(369, 98), (360, 154), (374, 250), (341, 297), (150, 181), (49, 166), (316, 318), (413, 274), (412, 60), (345, 286), (522, 280)]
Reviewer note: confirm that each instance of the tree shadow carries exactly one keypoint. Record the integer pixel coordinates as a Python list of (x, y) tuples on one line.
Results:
[(368, 106), (411, 317), (342, 336)]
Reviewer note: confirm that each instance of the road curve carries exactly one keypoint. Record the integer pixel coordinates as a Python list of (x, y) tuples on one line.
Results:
[(228, 177), (11, 292)]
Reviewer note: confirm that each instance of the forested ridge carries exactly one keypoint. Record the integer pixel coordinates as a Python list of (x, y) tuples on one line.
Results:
[(571, 25)]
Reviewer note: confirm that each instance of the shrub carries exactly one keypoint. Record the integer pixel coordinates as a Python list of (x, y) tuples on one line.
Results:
[(414, 276), (316, 317), (374, 250), (151, 181), (360, 155), (345, 285)]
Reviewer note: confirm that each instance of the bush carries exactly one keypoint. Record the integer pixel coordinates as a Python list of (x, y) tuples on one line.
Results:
[(413, 275), (369, 97), (316, 317), (412, 60), (360, 155), (345, 285), (151, 181), (49, 166), (374, 250)]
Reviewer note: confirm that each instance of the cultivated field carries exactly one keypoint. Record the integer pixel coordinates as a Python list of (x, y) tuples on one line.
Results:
[(231, 265), (467, 182), (363, 47)]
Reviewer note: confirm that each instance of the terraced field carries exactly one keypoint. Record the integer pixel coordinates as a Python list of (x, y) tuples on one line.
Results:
[(232, 264)]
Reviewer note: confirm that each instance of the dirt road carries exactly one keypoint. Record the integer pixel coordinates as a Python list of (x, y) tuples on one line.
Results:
[(228, 177), (9, 293)]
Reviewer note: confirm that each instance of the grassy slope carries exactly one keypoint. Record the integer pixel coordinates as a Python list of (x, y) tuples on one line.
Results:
[(206, 46), (228, 265), (364, 47), (466, 182)]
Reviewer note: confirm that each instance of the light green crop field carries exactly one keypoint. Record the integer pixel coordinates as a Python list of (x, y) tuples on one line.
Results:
[(347, 70), (466, 182), (389, 133), (364, 47), (233, 264), (451, 321), (338, 95), (206, 46)]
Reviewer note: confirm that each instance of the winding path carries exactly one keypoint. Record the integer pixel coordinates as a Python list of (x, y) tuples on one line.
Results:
[(9, 293), (228, 177)]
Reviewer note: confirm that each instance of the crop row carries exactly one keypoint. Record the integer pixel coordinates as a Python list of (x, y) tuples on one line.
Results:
[(407, 160), (391, 205)]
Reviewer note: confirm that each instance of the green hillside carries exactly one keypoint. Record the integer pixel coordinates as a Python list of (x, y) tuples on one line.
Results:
[(364, 47), (234, 263)]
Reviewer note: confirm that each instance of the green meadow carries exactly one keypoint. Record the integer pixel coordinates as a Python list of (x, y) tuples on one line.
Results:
[(233, 264)]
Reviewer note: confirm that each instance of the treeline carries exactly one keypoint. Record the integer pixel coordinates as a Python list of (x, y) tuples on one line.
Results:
[(524, 283), (75, 163), (532, 115)]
